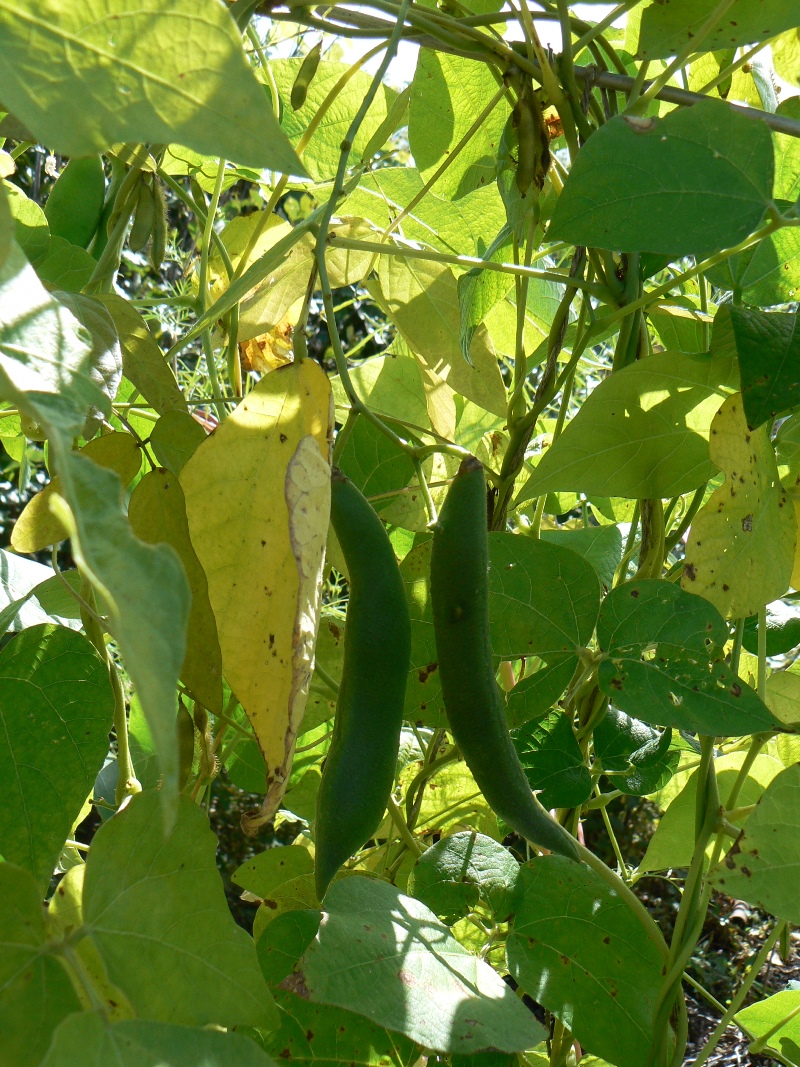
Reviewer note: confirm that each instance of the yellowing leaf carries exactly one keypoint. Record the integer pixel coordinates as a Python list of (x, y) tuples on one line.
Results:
[(37, 527), (270, 350), (783, 697), (157, 512), (257, 501), (741, 546)]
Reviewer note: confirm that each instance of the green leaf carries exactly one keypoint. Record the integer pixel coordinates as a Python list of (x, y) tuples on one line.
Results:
[(636, 758), (22, 578), (174, 439), (783, 630), (422, 300), (31, 229), (741, 546), (787, 154), (642, 432), (314, 1034), (386, 956), (673, 842), (35, 990), (763, 1017), (551, 757), (579, 951), (783, 697), (454, 874), (83, 82), (539, 689), (143, 589), (56, 708), (768, 348), (667, 27), (764, 864), (694, 182), (138, 1043), (600, 545), (768, 272), (284, 941), (679, 329), (65, 266), (157, 514), (325, 147), (142, 361), (447, 95), (661, 645), (375, 464), (272, 869), (480, 290), (391, 384), (156, 906)]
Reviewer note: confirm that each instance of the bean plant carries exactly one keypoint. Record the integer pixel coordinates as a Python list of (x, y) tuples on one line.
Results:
[(251, 251)]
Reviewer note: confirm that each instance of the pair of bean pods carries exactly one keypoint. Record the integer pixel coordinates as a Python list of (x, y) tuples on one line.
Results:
[(360, 767)]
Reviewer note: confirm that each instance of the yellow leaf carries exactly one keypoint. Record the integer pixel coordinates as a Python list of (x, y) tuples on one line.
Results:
[(741, 546), (257, 501), (270, 350), (157, 512), (37, 527)]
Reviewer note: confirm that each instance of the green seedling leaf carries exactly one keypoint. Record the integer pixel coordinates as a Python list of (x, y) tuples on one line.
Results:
[(156, 906), (311, 1034), (386, 956), (447, 94), (458, 871), (157, 514), (553, 762), (667, 28), (643, 432), (663, 664), (88, 1038), (764, 863), (33, 983), (56, 708), (768, 347), (83, 83), (741, 547), (579, 951), (676, 185)]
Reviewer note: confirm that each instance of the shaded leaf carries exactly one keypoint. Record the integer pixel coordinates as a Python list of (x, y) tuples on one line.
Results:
[(667, 27), (768, 347), (452, 875), (551, 757)]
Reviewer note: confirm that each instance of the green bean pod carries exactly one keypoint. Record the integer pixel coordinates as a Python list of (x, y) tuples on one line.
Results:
[(305, 75), (472, 699), (143, 217), (75, 204), (360, 767)]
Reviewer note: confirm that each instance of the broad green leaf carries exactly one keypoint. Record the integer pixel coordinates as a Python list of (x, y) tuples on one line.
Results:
[(667, 28), (375, 464), (19, 579), (386, 956), (787, 449), (314, 1034), (454, 874), (662, 647), (783, 629), (172, 72), (422, 300), (45, 352), (391, 384), (447, 95), (694, 182), (741, 546), (579, 950), (31, 228), (768, 272), (142, 361), (157, 514), (258, 501), (271, 870), (65, 266), (540, 689), (479, 290), (679, 329), (156, 906), (673, 842), (35, 990), (764, 863), (37, 527), (783, 697), (325, 147), (636, 758), (787, 155), (554, 766), (763, 1017), (174, 439), (56, 708), (786, 55), (144, 591), (88, 1038), (642, 433), (768, 348), (600, 545)]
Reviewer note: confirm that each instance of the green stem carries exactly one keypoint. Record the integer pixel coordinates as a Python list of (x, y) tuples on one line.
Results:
[(208, 347), (762, 652)]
